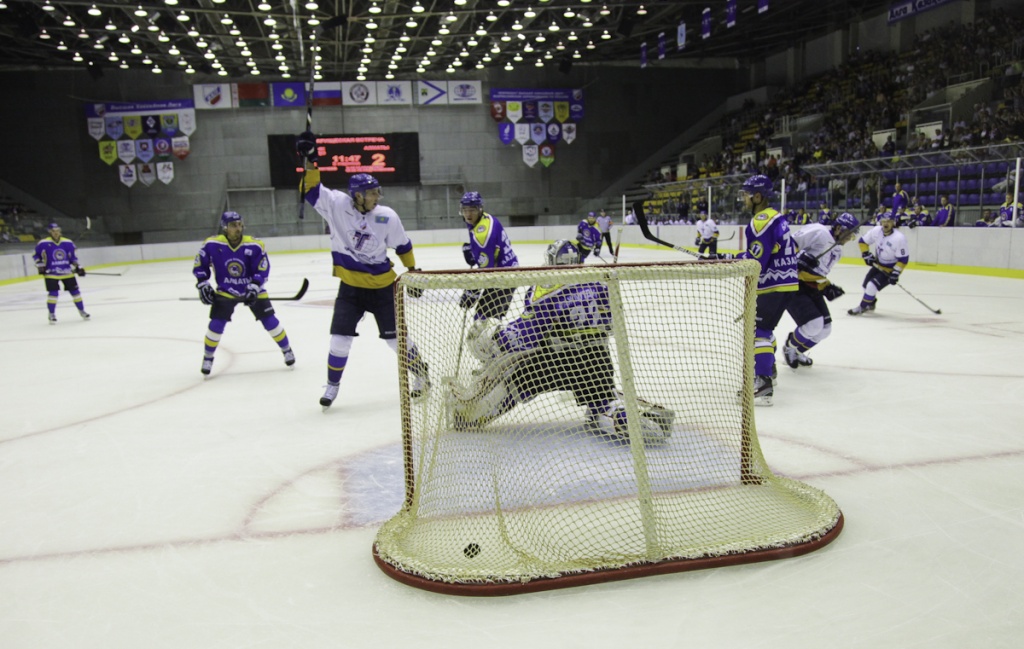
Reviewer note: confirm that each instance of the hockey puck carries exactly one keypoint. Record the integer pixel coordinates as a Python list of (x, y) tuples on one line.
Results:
[(471, 550)]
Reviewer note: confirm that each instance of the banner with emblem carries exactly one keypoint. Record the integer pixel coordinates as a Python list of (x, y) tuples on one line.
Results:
[(96, 128), (108, 151), (187, 121), (497, 110), (162, 147), (561, 110), (212, 96), (180, 147), (576, 106), (522, 133), (288, 94), (546, 111), (144, 149), (126, 150), (432, 93), (147, 174), (133, 126), (465, 92), (537, 133), (530, 155), (151, 125), (507, 132), (113, 125), (554, 132), (530, 111), (165, 172), (127, 173), (394, 93), (359, 93), (547, 154), (169, 124), (568, 132), (514, 110)]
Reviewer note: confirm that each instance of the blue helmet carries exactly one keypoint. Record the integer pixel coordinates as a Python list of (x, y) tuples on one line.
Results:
[(759, 184), (472, 199), (229, 217), (846, 221), (561, 253), (362, 183)]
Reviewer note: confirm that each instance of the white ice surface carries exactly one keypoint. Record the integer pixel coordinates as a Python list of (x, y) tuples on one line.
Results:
[(141, 506)]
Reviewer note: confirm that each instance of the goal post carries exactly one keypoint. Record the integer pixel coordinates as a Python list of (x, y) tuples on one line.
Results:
[(602, 429)]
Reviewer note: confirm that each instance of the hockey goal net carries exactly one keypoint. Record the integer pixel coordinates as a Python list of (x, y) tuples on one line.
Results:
[(547, 454)]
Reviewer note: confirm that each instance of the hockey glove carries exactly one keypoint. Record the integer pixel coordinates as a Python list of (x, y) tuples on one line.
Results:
[(894, 276), (79, 271), (305, 144), (41, 268), (832, 291), (206, 293), (696, 241), (252, 293), (413, 290), (806, 262), (869, 258), (469, 298), (467, 253)]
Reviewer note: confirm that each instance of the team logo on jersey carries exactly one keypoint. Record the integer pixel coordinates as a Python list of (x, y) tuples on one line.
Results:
[(380, 218), (235, 268), (59, 255), (756, 249)]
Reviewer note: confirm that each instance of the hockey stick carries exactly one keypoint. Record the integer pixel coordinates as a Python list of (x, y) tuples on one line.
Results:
[(618, 241), (92, 272), (317, 33), (935, 311), (293, 298), (645, 228), (730, 237)]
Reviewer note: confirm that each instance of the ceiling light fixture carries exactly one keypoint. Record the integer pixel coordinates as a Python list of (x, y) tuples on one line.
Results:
[(94, 11), (641, 11), (374, 8), (491, 17), (418, 8), (530, 13)]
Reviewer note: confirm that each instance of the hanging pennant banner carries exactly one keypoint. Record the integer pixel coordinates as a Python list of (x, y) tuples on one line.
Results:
[(546, 111), (165, 172), (537, 133), (730, 13), (108, 151), (497, 110), (507, 132), (569, 132), (133, 126), (162, 147), (432, 93), (681, 36), (530, 111), (114, 126), (530, 155), (394, 93), (180, 147), (576, 105), (522, 133), (126, 150), (661, 46), (547, 154), (561, 110), (554, 132), (358, 93), (187, 121), (144, 150), (147, 174), (151, 125), (643, 55), (213, 96), (705, 23), (465, 92), (762, 6), (169, 124), (514, 110), (96, 128), (128, 176)]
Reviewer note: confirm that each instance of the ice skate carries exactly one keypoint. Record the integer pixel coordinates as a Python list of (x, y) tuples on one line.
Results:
[(793, 356), (289, 357), (763, 391), (53, 319), (420, 387), (207, 366), (330, 394), (859, 309), (85, 316)]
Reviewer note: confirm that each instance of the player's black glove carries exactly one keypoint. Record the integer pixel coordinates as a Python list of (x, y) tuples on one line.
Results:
[(206, 293), (414, 291), (912, 224), (469, 298), (868, 257), (467, 253), (305, 144), (80, 271), (832, 291), (696, 241), (252, 293), (894, 276), (806, 262)]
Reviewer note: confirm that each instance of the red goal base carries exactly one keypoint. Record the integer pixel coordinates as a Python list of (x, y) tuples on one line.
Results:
[(476, 589)]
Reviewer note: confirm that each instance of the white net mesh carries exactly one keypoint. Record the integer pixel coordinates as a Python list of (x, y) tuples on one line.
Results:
[(604, 422)]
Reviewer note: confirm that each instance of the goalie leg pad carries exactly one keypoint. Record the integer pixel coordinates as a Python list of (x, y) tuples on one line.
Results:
[(476, 411)]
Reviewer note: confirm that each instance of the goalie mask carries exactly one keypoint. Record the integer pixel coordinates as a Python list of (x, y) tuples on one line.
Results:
[(561, 253)]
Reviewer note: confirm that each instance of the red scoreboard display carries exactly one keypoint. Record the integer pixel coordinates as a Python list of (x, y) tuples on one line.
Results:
[(393, 158)]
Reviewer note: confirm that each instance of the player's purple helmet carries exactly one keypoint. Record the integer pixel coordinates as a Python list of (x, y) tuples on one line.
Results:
[(846, 221), (472, 199), (229, 217), (562, 253), (759, 184), (362, 183)]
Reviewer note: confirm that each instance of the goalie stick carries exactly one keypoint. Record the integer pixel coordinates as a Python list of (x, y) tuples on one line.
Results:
[(293, 298), (618, 241), (317, 33), (645, 229), (935, 311)]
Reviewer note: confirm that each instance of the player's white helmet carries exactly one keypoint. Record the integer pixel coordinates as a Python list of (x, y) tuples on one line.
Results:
[(561, 253)]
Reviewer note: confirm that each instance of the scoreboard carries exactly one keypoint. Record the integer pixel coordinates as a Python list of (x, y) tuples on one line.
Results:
[(392, 158)]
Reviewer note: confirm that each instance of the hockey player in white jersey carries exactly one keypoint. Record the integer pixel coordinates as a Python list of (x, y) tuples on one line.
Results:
[(707, 235), (884, 250), (820, 248)]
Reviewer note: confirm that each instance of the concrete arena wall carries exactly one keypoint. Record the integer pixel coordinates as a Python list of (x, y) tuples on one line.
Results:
[(984, 250)]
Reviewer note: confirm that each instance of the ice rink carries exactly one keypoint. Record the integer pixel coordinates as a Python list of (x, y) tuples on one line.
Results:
[(141, 506)]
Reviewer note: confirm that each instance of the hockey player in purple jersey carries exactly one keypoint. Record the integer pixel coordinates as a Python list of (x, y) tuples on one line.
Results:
[(820, 248), (488, 247), (240, 267), (558, 343), (588, 237), (57, 262), (770, 244)]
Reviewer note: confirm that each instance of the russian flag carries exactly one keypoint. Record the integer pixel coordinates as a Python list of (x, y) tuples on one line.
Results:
[(327, 93)]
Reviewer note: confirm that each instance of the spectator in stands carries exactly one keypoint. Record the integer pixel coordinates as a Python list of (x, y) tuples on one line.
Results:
[(1005, 215), (900, 200), (945, 216), (986, 220)]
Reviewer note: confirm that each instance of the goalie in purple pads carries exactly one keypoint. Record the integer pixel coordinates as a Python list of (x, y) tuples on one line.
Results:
[(821, 248), (488, 247), (241, 268), (558, 343), (57, 262)]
